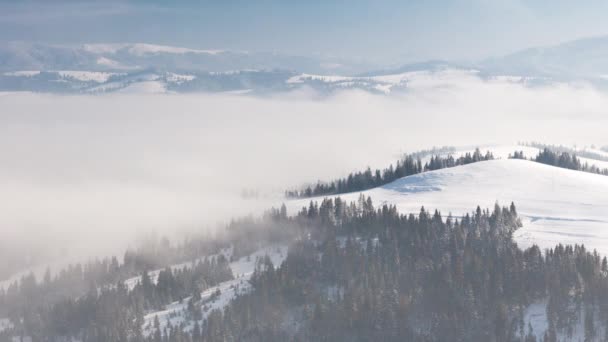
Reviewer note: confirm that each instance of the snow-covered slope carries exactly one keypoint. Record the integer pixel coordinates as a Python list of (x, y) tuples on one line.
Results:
[(130, 283), (189, 79), (535, 315), (216, 297), (387, 83), (5, 324), (556, 205)]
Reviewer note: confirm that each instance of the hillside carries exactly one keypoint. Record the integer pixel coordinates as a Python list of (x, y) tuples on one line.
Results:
[(422, 275), (556, 205)]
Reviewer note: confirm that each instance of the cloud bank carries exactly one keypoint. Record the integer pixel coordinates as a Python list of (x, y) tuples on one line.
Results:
[(85, 175)]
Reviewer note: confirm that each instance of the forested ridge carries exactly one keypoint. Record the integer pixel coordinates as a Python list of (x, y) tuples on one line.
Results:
[(584, 152), (354, 272), (409, 164), (563, 159)]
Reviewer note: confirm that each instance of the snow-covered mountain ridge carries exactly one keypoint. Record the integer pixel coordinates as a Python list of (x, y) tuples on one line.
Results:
[(42, 68)]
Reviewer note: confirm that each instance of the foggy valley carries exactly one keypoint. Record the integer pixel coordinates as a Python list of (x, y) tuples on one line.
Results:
[(252, 172)]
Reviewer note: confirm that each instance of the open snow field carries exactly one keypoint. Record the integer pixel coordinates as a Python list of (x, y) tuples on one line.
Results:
[(556, 205)]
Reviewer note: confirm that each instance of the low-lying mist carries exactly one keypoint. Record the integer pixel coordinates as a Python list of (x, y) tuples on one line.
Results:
[(85, 175)]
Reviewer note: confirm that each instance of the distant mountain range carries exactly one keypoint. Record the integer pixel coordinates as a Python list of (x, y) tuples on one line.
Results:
[(99, 68), (113, 57), (584, 58)]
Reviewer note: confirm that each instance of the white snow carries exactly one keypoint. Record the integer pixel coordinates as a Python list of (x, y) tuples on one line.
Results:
[(145, 87), (245, 266), (175, 312), (324, 78), (242, 270), (556, 205), (141, 83), (142, 49), (110, 63), (596, 151), (233, 72), (103, 48), (23, 73), (86, 76), (385, 88), (178, 78), (536, 315), (79, 75), (386, 83), (5, 324), (106, 87), (599, 163), (132, 282), (503, 152), (498, 151), (237, 92), (515, 79)]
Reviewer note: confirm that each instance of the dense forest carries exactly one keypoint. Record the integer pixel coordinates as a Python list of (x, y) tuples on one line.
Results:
[(562, 159), (409, 164), (94, 302), (353, 272)]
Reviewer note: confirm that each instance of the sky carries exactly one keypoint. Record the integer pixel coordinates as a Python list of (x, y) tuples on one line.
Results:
[(385, 32)]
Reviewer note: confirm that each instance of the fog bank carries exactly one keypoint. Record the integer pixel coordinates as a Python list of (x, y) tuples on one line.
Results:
[(86, 174)]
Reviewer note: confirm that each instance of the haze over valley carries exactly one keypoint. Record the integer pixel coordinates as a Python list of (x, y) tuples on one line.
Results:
[(251, 172)]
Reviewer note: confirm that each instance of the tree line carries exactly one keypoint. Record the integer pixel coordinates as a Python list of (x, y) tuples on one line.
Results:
[(562, 159), (410, 164)]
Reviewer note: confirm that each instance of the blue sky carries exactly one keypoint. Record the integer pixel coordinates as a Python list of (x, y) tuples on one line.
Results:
[(387, 31)]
